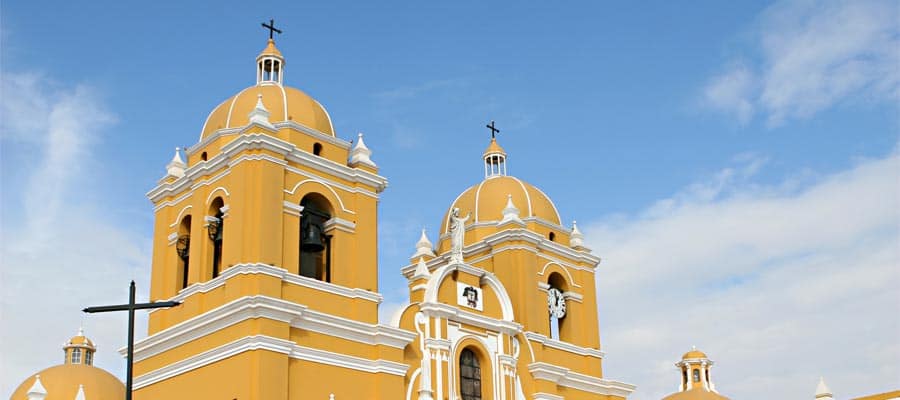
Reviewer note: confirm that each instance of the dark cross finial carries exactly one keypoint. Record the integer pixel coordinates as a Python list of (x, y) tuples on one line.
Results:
[(271, 28), (494, 131)]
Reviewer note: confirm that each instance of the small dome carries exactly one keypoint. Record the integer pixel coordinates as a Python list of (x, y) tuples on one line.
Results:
[(80, 340), (694, 353), (284, 103), (61, 383), (487, 200), (270, 50), (695, 394)]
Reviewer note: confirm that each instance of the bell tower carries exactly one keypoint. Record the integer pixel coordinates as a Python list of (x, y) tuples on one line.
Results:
[(266, 231)]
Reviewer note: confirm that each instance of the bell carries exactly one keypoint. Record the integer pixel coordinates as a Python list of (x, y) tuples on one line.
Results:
[(312, 240)]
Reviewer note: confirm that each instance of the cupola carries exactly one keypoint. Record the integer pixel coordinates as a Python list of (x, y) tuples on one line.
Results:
[(270, 65), (696, 382), (79, 349)]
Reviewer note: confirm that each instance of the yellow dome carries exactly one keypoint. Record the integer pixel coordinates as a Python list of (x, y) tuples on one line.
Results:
[(270, 50), (487, 200), (61, 383), (80, 341), (494, 148), (284, 103), (694, 354), (696, 393)]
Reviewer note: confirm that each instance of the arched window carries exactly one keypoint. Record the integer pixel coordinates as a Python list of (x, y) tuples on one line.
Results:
[(88, 358), (315, 245), (696, 375), (552, 237), (469, 375), (317, 149), (76, 356), (214, 227), (556, 303), (183, 247)]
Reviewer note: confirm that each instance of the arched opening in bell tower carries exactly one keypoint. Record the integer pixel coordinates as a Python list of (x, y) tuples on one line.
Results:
[(469, 375), (215, 225), (183, 248), (315, 243), (559, 329)]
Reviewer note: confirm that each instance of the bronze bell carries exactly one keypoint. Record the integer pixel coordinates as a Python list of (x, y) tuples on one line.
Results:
[(312, 239)]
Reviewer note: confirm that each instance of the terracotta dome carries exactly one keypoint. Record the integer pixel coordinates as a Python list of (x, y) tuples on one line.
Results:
[(62, 381)]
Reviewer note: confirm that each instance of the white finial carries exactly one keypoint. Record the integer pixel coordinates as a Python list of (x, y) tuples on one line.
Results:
[(260, 115), (360, 154), (421, 270), (177, 166), (331, 396), (822, 390), (80, 394), (423, 247), (576, 239), (37, 391), (80, 331), (510, 213)]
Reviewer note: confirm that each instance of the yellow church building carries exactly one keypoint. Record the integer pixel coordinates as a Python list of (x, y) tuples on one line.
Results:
[(267, 234)]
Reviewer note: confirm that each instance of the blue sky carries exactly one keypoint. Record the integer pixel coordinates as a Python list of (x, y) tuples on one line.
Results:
[(634, 118)]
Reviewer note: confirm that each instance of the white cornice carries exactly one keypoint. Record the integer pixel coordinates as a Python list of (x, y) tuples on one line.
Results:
[(565, 377), (252, 141), (564, 346), (268, 343), (252, 307), (455, 314), (281, 273)]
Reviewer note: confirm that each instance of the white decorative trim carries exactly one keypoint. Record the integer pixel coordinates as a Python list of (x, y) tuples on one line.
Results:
[(292, 209), (486, 278), (268, 343), (251, 307), (180, 213), (547, 396), (564, 346), (172, 238), (281, 273), (452, 313), (243, 142), (565, 377), (211, 193), (327, 186), (339, 224), (569, 278)]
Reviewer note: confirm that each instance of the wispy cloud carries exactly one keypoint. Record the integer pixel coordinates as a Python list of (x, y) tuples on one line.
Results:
[(64, 252), (413, 91), (813, 55), (778, 283)]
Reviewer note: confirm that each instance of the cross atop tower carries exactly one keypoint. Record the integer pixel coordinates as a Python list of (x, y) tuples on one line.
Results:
[(494, 131), (271, 28)]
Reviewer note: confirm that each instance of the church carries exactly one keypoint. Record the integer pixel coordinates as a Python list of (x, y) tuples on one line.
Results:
[(267, 234)]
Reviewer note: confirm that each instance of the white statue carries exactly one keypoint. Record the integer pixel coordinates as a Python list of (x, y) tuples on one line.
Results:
[(457, 235)]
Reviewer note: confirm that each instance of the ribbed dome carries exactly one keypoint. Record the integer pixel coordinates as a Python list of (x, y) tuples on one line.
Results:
[(284, 103), (487, 200), (61, 383)]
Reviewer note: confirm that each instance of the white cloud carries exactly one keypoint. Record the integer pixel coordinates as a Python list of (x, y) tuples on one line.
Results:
[(63, 253), (779, 284), (812, 56)]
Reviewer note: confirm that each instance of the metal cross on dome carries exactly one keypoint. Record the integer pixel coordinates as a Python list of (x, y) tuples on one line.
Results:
[(494, 131), (271, 28)]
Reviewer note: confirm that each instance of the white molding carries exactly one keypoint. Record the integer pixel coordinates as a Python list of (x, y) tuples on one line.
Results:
[(228, 157), (339, 224), (467, 317), (564, 346), (268, 343), (281, 273), (565, 377), (547, 396), (292, 209), (328, 185), (252, 307)]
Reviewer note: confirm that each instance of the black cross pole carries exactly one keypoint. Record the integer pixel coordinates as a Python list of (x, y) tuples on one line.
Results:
[(271, 28), (494, 130), (130, 307)]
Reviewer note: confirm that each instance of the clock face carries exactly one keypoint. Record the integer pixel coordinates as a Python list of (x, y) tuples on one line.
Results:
[(556, 303)]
